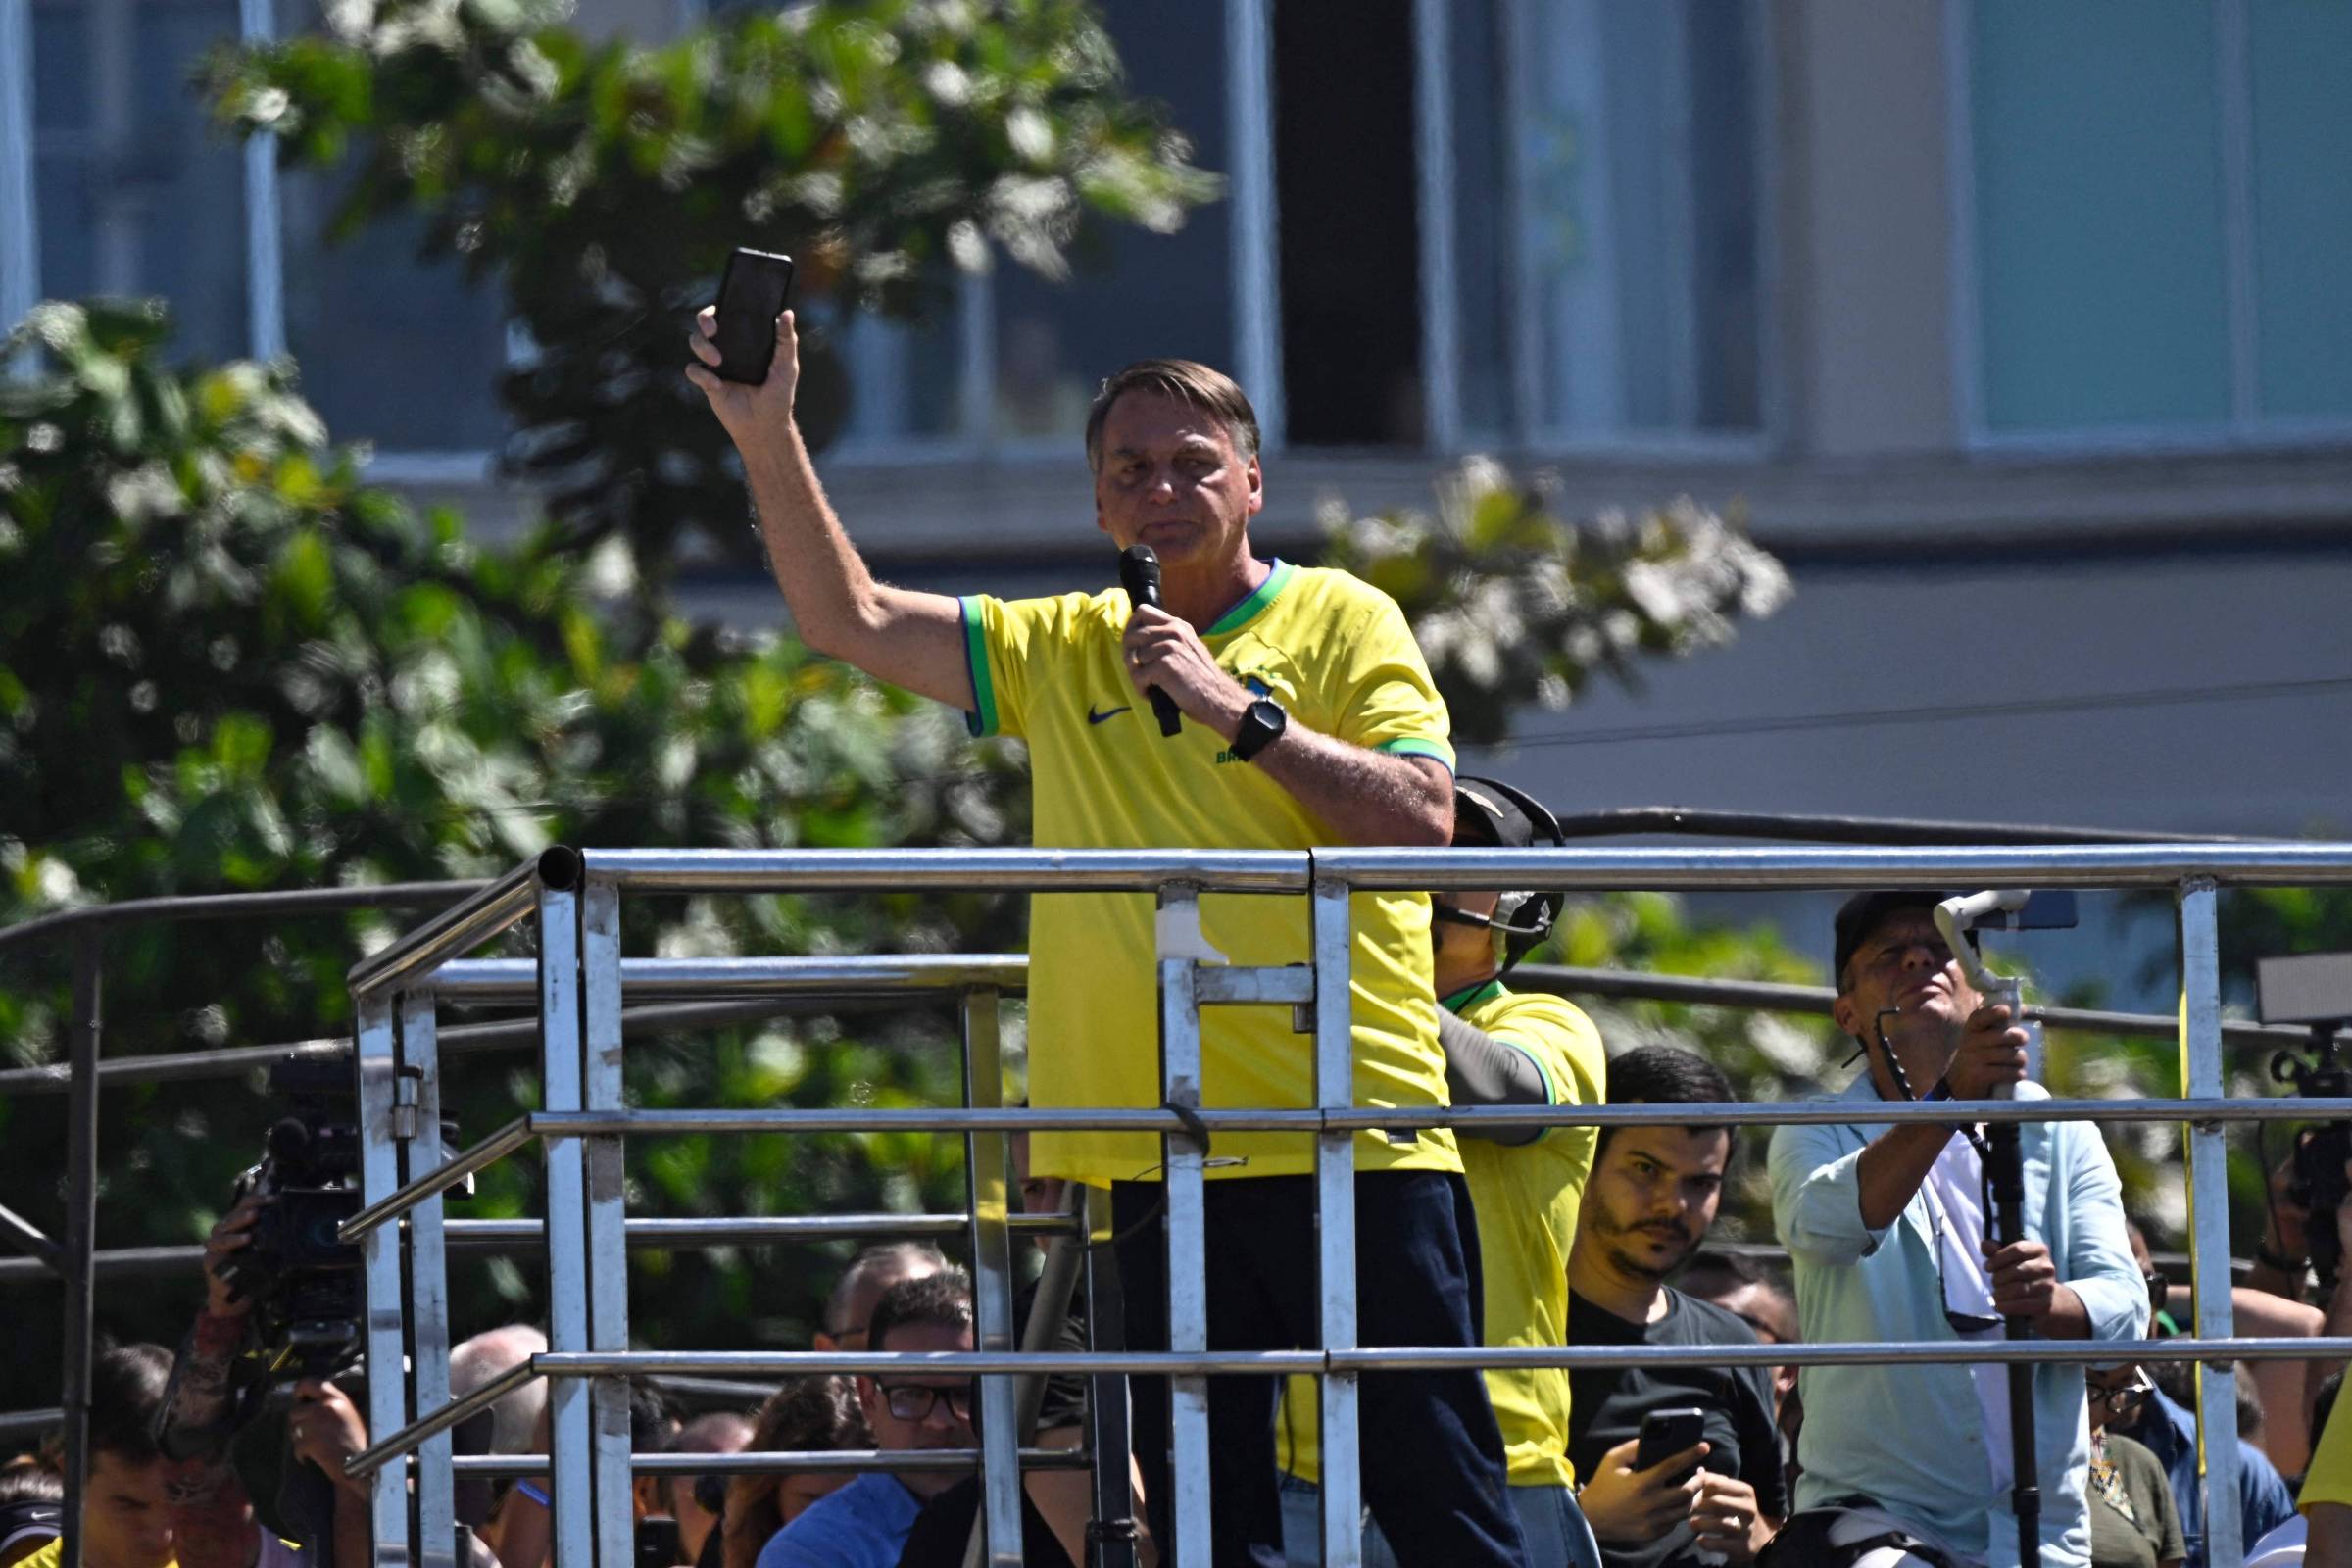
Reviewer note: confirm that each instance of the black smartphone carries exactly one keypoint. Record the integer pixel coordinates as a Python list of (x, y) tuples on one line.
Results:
[(659, 1545), (1667, 1432), (750, 296)]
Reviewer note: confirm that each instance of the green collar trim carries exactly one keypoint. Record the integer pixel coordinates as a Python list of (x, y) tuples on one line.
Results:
[(1249, 609), (1469, 997)]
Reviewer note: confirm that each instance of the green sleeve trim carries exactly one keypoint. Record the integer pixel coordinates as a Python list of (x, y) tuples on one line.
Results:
[(981, 722), (1415, 746), (1551, 1085)]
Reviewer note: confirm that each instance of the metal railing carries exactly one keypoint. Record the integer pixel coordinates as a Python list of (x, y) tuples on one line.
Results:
[(581, 981)]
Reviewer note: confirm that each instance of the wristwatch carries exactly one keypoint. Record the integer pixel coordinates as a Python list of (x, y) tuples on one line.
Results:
[(1262, 724)]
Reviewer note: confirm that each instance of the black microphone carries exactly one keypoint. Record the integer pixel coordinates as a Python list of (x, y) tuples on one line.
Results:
[(1139, 574)]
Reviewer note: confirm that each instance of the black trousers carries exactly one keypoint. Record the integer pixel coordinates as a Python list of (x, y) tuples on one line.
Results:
[(1432, 1456)]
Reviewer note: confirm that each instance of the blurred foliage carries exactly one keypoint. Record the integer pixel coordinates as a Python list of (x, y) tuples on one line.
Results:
[(1512, 601), (882, 143)]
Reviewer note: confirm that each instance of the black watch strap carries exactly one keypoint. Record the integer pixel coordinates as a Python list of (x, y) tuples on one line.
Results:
[(1262, 723)]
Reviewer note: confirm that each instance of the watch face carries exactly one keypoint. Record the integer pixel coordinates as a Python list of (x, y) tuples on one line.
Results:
[(1261, 721)]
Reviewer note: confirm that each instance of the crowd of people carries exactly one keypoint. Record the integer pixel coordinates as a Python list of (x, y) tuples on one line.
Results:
[(1290, 708)]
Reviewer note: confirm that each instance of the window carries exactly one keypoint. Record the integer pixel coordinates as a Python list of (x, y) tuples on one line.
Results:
[(2152, 228), (1013, 366), (132, 193), (1639, 232), (135, 191)]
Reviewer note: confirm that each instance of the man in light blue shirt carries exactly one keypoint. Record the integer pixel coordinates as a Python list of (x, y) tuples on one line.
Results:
[(864, 1523), (1888, 1226)]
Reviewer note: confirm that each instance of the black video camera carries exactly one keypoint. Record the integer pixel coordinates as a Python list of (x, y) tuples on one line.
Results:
[(2320, 1185), (304, 1282), (2315, 990)]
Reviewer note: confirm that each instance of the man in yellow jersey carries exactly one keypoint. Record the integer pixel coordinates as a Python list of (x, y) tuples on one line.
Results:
[(1307, 718), (1501, 1047)]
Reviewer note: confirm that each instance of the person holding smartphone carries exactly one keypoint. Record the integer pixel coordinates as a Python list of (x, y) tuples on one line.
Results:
[(1679, 1466), (1305, 716)]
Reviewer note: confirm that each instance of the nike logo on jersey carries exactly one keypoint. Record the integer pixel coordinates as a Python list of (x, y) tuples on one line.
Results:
[(1093, 717)]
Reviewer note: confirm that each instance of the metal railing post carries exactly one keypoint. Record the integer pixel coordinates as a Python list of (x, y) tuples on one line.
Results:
[(1335, 1226), (2209, 1219), (377, 1060), (429, 1285), (569, 1450), (82, 1231), (991, 1282), (607, 1219), (1109, 1422), (1183, 1169)]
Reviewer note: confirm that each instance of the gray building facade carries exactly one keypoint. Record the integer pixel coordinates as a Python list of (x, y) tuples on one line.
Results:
[(2018, 327)]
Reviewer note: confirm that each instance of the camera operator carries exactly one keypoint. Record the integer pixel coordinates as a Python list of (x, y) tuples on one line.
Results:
[(1889, 1226), (205, 1411)]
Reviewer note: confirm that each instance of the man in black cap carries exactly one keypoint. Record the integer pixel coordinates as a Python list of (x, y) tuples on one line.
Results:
[(1888, 1228)]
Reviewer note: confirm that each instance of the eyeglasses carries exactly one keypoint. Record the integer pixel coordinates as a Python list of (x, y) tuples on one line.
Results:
[(2129, 1397), (913, 1402)]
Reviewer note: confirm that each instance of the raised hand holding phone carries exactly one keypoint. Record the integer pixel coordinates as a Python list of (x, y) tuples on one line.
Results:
[(752, 293)]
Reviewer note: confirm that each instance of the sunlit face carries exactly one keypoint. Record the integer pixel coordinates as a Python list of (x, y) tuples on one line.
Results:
[(1905, 965), (126, 1514), (1173, 479), (2116, 1394), (1465, 949), (1653, 1193), (937, 1410)]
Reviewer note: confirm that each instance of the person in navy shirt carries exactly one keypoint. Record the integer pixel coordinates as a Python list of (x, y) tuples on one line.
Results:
[(864, 1523)]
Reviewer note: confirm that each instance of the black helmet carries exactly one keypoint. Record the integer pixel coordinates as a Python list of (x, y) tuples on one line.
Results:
[(1489, 812)]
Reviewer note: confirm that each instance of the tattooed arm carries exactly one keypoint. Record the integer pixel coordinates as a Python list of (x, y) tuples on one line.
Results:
[(211, 1515)]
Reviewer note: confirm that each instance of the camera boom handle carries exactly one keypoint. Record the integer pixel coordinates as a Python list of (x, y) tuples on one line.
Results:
[(1956, 918), (2005, 1174)]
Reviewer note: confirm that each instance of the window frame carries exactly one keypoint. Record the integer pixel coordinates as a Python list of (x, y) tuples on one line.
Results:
[(1256, 348), (2247, 427), (264, 229), (1724, 447)]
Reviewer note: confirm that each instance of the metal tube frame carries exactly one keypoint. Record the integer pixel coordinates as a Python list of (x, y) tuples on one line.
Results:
[(986, 1165), (81, 1232), (1183, 1163), (581, 980)]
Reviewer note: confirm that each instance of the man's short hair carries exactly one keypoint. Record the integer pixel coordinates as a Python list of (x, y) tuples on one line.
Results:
[(127, 1382), (1665, 1075), (653, 1417), (1864, 912), (942, 1300), (1713, 1274), (1211, 391), (902, 1255)]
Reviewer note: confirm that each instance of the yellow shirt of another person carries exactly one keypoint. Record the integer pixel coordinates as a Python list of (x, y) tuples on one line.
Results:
[(2329, 1478), (1337, 654), (1527, 1197)]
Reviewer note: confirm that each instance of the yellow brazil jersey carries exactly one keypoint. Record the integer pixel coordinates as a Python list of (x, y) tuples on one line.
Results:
[(1527, 1197), (2329, 1478), (1337, 654)]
